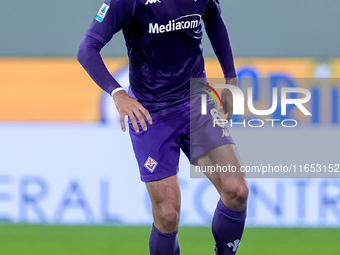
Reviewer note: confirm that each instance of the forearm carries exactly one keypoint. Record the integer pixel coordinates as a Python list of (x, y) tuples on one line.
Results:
[(219, 38), (89, 57)]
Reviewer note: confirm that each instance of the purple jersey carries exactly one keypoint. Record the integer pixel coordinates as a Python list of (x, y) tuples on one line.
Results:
[(163, 40)]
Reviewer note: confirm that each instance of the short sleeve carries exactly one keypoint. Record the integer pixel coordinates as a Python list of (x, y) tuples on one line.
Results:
[(112, 16)]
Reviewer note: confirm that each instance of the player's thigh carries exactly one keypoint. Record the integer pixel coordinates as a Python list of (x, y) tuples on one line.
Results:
[(227, 174), (165, 194)]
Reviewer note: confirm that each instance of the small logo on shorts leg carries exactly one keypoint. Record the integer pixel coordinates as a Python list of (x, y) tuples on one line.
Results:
[(225, 133), (150, 164)]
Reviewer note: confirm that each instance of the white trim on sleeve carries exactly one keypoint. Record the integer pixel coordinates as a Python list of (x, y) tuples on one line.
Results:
[(116, 90)]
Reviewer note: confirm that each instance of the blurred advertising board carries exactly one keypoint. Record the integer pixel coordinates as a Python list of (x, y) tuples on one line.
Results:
[(59, 90)]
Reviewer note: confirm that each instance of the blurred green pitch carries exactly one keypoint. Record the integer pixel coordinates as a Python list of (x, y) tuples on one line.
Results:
[(109, 240)]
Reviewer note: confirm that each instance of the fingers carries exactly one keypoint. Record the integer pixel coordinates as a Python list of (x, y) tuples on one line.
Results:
[(147, 116), (227, 101), (225, 108), (229, 114), (228, 111), (139, 116), (122, 122), (128, 106), (134, 122)]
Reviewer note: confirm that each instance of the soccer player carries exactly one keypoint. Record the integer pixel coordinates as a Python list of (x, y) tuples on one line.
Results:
[(163, 40)]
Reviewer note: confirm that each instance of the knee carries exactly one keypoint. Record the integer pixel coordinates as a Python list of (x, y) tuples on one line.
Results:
[(241, 194), (235, 194), (167, 219), (170, 216)]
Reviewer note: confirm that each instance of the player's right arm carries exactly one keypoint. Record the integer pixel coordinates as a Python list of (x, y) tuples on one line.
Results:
[(112, 17)]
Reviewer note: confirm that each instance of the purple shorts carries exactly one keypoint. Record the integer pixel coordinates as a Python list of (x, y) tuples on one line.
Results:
[(157, 150)]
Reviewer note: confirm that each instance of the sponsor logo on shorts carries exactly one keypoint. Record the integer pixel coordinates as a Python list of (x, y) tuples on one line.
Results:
[(102, 12), (150, 164)]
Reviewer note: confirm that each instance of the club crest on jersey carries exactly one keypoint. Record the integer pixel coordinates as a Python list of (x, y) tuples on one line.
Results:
[(102, 12), (150, 164), (152, 2)]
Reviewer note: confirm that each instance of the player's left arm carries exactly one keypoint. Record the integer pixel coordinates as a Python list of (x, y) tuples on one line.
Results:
[(218, 35)]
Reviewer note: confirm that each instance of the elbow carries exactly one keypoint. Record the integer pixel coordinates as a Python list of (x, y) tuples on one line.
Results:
[(84, 50), (81, 55), (89, 48)]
